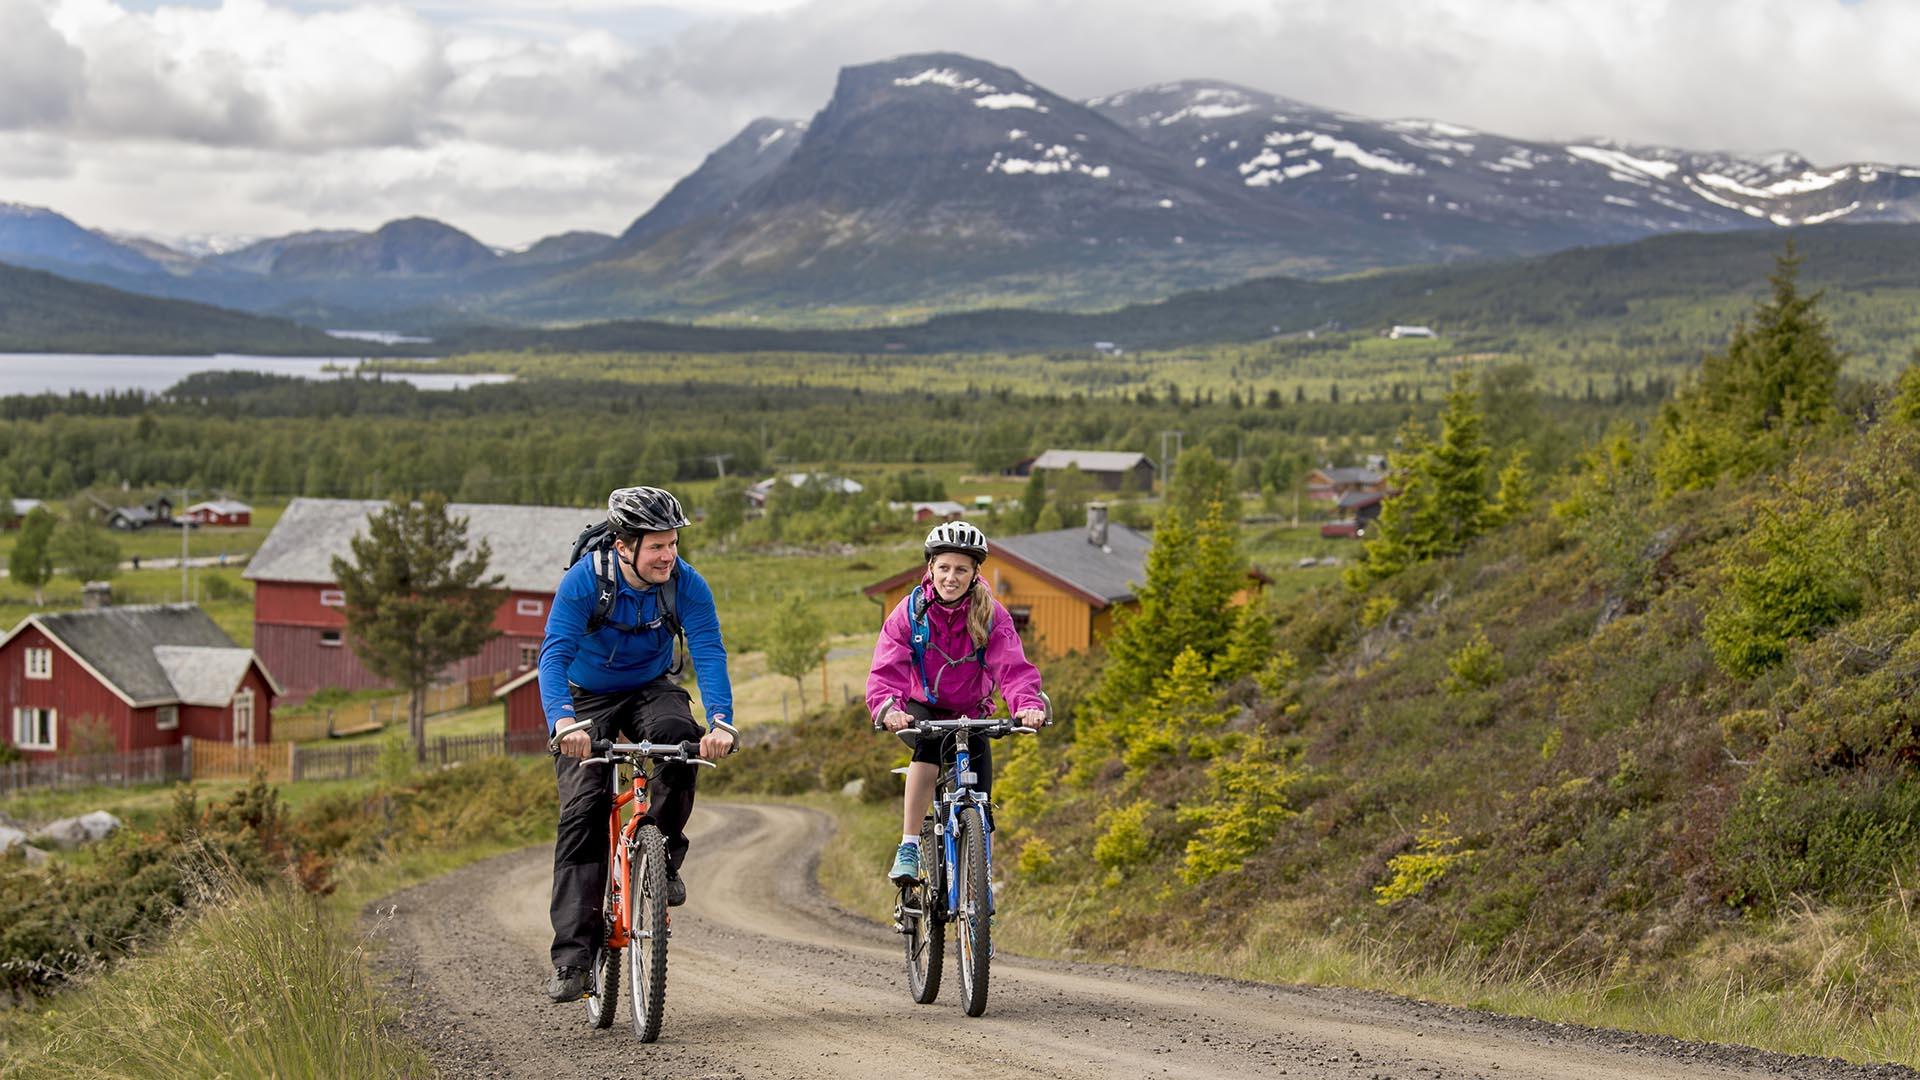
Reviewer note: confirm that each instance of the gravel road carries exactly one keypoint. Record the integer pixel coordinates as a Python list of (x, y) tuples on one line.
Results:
[(768, 979)]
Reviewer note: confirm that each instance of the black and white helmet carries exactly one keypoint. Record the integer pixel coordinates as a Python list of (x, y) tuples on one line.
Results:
[(635, 510), (957, 536)]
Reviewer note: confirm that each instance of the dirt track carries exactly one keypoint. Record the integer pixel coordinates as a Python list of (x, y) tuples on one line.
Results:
[(767, 979)]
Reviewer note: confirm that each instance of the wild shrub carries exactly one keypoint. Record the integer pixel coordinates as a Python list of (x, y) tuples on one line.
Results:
[(1245, 804), (1475, 666), (1124, 841), (1436, 848), (1795, 574), (1839, 836)]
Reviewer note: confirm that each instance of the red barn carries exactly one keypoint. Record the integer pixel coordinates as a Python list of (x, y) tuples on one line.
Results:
[(522, 697), (129, 678), (299, 611), (218, 512)]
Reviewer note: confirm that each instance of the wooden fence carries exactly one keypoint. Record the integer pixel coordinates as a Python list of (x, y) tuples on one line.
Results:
[(154, 765), (225, 761), (347, 762), (281, 761), (382, 712)]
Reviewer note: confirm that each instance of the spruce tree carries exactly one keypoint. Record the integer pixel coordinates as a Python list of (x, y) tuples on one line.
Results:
[(1772, 387), (1456, 467), (417, 598)]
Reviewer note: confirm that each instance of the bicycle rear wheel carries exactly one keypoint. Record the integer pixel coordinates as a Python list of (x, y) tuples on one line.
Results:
[(927, 939), (603, 974), (973, 923), (647, 936)]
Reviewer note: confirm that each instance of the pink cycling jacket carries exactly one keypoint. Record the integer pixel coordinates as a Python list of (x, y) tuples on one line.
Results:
[(964, 687)]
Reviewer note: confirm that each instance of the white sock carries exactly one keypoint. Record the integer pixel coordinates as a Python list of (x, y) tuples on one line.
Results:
[(913, 839)]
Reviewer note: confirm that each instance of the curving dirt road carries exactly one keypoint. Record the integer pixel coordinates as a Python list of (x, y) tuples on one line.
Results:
[(767, 979)]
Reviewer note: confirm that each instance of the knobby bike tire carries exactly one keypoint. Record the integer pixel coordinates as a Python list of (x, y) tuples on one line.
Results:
[(603, 975), (973, 923), (647, 936), (927, 943)]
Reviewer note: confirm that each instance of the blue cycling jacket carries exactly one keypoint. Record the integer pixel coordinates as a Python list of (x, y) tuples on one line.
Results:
[(611, 659)]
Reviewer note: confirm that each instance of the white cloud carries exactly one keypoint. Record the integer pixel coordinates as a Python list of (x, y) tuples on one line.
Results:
[(514, 118)]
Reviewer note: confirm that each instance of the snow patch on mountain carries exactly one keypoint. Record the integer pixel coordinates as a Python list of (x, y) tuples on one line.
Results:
[(1621, 162), (1008, 101)]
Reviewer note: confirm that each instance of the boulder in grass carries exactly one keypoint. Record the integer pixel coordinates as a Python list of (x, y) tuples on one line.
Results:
[(73, 832), (10, 837)]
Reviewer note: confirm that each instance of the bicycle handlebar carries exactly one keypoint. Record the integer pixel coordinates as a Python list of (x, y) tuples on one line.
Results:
[(605, 749), (990, 726)]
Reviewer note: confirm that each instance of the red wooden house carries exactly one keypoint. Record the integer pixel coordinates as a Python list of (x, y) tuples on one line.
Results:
[(218, 512), (299, 611), (129, 678), (522, 697)]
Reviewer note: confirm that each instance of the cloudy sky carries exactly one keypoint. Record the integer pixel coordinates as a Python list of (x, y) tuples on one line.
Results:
[(515, 119)]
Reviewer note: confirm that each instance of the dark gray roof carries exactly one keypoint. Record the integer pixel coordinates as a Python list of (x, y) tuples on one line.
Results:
[(530, 543), (1353, 475), (1109, 573), (118, 642), (1356, 498)]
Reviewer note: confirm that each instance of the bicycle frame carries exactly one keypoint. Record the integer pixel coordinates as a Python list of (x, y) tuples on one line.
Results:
[(620, 844), (947, 822)]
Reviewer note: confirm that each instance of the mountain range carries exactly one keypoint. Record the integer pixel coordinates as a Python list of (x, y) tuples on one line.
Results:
[(938, 180)]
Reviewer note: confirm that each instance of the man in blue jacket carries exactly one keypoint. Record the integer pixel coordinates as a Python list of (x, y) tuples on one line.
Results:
[(615, 670)]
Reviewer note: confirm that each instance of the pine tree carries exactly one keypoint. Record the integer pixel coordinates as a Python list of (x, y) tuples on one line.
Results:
[(1456, 466), (417, 598), (1514, 496)]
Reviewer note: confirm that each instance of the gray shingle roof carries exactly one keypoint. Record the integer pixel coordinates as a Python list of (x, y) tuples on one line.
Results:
[(1065, 553), (119, 643), (203, 674), (1090, 460), (1353, 475), (530, 543)]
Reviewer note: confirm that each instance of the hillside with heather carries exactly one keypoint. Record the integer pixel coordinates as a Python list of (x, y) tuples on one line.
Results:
[(1633, 745)]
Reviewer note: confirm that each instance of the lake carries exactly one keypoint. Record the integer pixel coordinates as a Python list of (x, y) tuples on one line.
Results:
[(93, 373)]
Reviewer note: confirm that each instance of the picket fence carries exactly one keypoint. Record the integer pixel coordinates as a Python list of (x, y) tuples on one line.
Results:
[(279, 762)]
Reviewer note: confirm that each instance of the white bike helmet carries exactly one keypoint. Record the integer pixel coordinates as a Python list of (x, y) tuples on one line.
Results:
[(957, 536)]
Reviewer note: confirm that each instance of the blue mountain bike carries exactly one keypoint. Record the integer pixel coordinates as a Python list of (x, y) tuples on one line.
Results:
[(956, 870)]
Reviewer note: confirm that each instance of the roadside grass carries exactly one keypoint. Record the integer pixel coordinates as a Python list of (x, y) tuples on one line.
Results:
[(267, 983), (1724, 992)]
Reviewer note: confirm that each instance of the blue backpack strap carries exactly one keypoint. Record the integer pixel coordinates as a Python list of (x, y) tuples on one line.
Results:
[(922, 632)]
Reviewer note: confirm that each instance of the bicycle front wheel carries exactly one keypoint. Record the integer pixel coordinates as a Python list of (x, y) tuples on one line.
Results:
[(973, 923), (927, 941), (647, 936)]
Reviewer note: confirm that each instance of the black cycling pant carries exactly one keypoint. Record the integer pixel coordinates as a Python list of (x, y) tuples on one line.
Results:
[(939, 749), (660, 711)]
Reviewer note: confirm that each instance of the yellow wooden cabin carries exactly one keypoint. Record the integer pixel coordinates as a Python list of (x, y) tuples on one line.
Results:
[(1063, 586)]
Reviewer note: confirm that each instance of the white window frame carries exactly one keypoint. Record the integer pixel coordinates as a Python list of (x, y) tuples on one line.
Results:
[(338, 639), (333, 598), (26, 730), (529, 607), (166, 718), (243, 710), (529, 655), (39, 663)]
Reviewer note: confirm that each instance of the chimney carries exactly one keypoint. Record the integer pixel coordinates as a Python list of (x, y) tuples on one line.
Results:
[(95, 595), (1097, 524)]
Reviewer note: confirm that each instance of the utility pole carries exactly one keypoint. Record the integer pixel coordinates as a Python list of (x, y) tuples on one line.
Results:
[(720, 463), (180, 523)]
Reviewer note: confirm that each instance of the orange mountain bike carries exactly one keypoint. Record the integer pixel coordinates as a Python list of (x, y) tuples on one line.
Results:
[(634, 911)]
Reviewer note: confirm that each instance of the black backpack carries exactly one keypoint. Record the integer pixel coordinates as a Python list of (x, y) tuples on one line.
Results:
[(596, 542)]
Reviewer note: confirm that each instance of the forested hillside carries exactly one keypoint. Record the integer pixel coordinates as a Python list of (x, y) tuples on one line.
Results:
[(40, 312), (1648, 738)]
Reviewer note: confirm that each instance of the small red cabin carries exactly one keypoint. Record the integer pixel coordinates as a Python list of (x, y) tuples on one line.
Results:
[(522, 697), (129, 678), (218, 512)]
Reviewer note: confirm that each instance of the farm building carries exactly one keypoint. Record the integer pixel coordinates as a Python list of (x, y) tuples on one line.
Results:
[(299, 611), (218, 512), (129, 678), (1114, 470)]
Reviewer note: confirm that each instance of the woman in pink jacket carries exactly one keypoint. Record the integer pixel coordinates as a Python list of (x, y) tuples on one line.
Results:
[(972, 647)]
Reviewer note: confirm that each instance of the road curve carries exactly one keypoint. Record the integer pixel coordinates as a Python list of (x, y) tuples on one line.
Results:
[(768, 979)]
